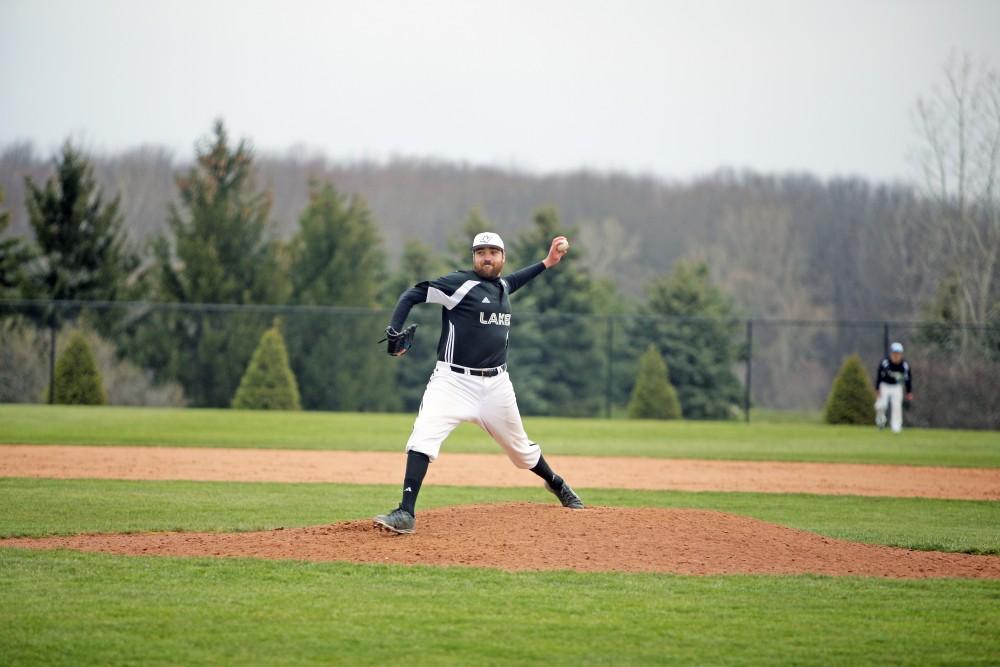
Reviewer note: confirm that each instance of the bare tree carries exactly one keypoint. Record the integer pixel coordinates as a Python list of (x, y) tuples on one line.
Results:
[(959, 132), (610, 247)]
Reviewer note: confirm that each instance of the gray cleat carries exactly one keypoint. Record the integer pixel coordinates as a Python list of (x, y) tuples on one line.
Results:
[(397, 521), (566, 496)]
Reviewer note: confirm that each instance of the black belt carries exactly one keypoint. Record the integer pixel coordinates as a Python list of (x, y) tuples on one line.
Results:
[(486, 372)]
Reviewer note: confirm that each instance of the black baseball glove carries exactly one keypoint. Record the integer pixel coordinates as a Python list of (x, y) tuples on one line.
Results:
[(399, 341)]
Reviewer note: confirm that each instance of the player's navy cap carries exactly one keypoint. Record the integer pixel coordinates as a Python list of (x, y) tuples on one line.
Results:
[(487, 239), (896, 347)]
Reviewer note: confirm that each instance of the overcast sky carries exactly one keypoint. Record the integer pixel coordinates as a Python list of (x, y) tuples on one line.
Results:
[(673, 88)]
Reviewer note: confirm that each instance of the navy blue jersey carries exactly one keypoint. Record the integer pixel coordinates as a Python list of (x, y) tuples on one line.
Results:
[(890, 373), (475, 314)]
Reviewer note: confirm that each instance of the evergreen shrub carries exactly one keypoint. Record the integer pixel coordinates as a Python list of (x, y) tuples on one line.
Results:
[(78, 382), (653, 396), (852, 399), (268, 383)]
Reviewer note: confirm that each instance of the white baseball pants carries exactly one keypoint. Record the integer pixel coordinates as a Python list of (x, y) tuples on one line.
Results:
[(890, 393), (452, 398)]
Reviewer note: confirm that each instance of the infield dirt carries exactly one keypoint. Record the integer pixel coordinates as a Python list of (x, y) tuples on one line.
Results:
[(529, 536), (264, 465)]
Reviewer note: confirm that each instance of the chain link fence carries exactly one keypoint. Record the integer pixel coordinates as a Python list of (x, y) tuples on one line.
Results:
[(563, 364)]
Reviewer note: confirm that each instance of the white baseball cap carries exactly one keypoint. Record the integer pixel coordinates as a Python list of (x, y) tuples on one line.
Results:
[(487, 239), (896, 347)]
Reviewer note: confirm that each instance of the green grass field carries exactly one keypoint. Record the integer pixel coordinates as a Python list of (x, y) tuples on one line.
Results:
[(77, 609), (38, 424), (62, 607)]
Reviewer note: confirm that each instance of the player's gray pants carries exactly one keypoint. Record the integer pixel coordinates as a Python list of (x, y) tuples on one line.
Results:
[(452, 398), (890, 393)]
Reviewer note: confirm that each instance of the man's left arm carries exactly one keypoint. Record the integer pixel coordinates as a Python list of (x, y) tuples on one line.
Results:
[(520, 278), (908, 378)]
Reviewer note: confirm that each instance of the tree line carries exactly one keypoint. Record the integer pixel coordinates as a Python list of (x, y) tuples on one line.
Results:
[(220, 246)]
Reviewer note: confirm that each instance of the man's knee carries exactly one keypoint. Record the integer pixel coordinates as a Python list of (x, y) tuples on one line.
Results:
[(522, 457)]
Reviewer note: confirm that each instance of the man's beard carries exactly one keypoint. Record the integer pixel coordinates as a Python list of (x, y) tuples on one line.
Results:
[(489, 272)]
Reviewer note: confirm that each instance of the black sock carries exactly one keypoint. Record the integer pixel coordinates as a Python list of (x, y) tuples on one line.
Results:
[(543, 470), (416, 468)]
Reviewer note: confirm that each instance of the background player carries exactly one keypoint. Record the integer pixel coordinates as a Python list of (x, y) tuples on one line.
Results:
[(470, 380), (893, 374)]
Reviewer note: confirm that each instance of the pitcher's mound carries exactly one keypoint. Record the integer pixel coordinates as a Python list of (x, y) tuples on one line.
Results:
[(526, 536)]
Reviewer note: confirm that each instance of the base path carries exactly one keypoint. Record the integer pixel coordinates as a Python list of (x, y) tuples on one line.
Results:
[(526, 536), (270, 465)]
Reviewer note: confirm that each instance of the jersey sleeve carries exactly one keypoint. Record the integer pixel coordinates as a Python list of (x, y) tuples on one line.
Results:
[(520, 278), (447, 291), (909, 379), (407, 300)]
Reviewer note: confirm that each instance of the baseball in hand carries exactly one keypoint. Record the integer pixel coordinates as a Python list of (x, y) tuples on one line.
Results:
[(562, 246)]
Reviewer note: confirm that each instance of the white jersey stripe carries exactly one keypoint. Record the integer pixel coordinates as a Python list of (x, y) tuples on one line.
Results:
[(449, 346), (434, 295)]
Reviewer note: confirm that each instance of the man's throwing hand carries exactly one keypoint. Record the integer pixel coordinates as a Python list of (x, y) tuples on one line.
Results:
[(559, 247)]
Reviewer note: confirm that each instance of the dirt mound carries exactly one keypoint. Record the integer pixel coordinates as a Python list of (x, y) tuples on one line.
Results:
[(526, 536)]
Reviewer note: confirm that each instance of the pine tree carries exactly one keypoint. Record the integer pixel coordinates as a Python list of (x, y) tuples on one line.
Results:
[(219, 250), (336, 259), (77, 380), (14, 257), (852, 399), (268, 383), (698, 334), (82, 249), (653, 396)]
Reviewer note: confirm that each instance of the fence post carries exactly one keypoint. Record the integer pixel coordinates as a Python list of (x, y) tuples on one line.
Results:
[(52, 364), (746, 387), (611, 361), (885, 338)]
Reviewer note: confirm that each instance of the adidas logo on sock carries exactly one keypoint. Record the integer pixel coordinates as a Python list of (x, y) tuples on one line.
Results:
[(486, 299), (408, 489)]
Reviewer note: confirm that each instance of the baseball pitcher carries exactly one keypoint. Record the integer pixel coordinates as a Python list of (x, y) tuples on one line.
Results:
[(470, 382)]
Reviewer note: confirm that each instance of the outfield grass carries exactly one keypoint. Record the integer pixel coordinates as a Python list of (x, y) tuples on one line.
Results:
[(91, 609), (67, 608), (41, 424), (44, 507)]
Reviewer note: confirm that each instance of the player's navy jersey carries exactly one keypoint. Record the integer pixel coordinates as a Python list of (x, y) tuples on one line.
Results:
[(475, 318), (890, 373)]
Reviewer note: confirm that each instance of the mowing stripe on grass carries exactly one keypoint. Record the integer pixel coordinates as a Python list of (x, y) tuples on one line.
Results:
[(39, 424)]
